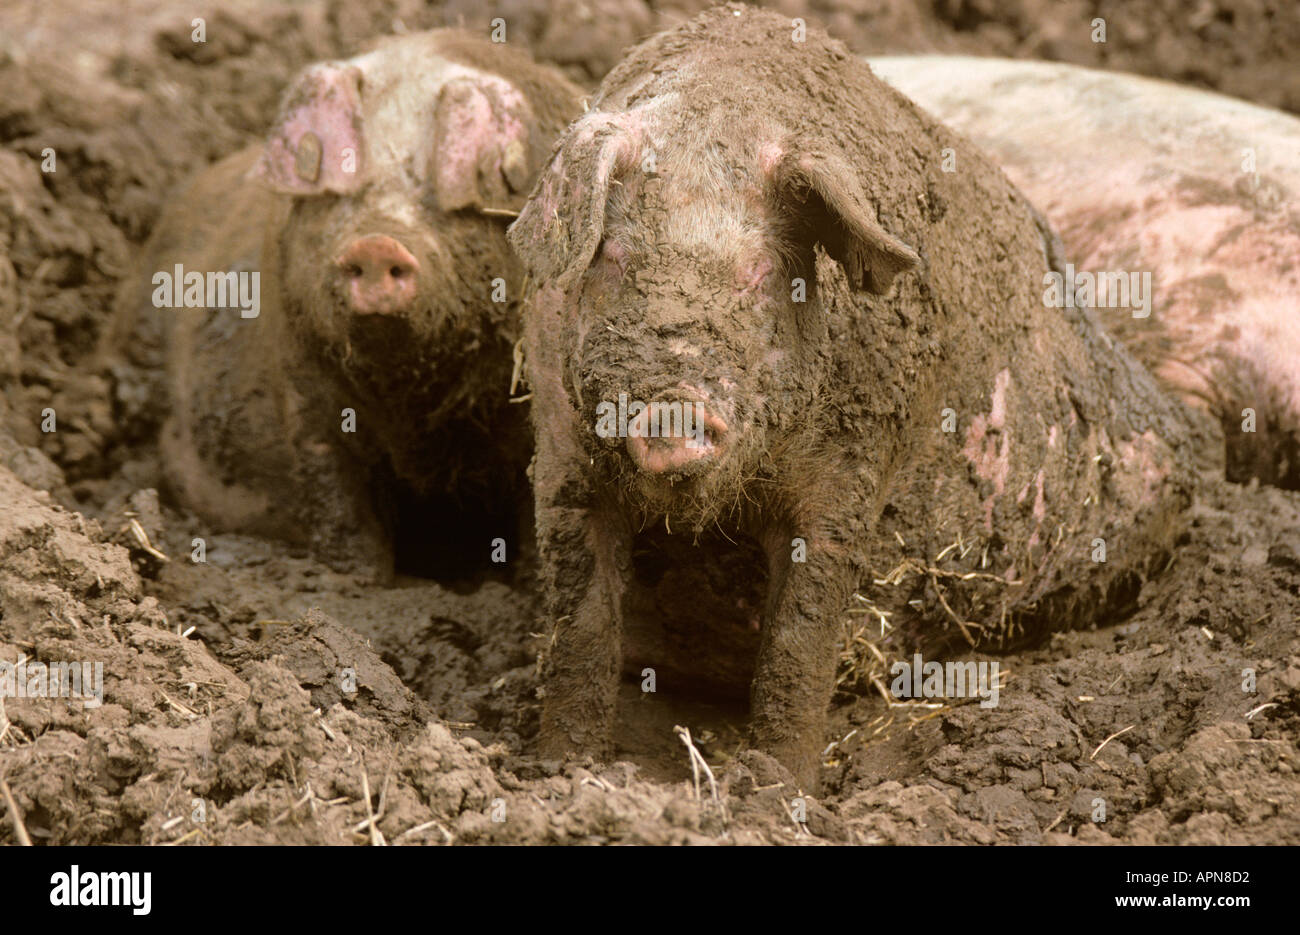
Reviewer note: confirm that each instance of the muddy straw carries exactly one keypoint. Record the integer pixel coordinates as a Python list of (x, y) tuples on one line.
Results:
[(19, 828), (517, 374), (290, 810), (517, 371), (1109, 739), (1057, 820), (412, 832), (142, 538), (6, 726), (1264, 707), (376, 837), (697, 762)]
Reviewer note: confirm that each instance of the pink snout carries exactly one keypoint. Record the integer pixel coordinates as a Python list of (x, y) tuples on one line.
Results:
[(667, 437), (379, 275)]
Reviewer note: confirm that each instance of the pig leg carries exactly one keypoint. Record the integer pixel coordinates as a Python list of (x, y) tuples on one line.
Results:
[(795, 670), (334, 507), (586, 560)]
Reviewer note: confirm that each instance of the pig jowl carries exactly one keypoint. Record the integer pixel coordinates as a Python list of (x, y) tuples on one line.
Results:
[(748, 225), (1194, 190), (360, 407)]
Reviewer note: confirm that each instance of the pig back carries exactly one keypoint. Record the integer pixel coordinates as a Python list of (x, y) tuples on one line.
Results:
[(1037, 473), (1025, 441), (1194, 188), (216, 222)]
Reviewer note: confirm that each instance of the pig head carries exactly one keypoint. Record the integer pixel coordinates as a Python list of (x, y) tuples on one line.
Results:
[(390, 249), (677, 290)]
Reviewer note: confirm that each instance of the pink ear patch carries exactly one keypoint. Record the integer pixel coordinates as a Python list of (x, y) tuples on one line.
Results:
[(481, 153), (316, 144)]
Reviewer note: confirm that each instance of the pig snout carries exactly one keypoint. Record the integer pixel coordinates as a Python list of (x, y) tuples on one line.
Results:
[(670, 437), (379, 275)]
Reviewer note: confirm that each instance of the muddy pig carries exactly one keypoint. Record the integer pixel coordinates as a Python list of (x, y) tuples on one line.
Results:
[(362, 358), (1199, 190), (747, 258)]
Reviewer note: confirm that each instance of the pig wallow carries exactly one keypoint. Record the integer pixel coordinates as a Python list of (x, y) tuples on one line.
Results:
[(814, 319), (352, 368)]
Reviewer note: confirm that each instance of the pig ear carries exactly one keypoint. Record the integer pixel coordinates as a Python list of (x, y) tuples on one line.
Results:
[(560, 228), (316, 144), (481, 152), (827, 194)]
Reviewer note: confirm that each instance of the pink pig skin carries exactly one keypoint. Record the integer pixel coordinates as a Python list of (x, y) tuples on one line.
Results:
[(325, 104)]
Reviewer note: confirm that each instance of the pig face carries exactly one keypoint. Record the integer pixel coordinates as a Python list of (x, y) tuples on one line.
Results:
[(395, 163), (691, 313), (390, 294)]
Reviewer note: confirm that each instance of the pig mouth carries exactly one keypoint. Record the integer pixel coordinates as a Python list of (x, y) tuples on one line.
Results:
[(675, 453), (372, 341), (388, 359)]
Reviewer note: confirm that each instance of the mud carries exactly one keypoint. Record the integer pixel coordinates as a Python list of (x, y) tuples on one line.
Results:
[(221, 724), (1246, 49)]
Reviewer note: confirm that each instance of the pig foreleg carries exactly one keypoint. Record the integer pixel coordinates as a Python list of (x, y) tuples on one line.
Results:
[(333, 505), (795, 671), (586, 560)]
